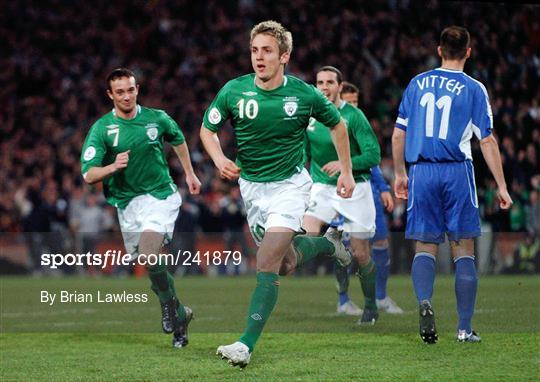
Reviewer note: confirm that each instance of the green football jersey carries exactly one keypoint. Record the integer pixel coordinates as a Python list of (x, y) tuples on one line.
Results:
[(147, 171), (269, 125), (365, 150)]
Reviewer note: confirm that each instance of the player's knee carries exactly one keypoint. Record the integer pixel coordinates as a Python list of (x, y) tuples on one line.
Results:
[(286, 268)]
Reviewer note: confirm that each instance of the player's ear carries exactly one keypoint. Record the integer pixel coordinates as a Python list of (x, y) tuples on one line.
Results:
[(109, 93), (468, 53), (439, 51), (284, 59)]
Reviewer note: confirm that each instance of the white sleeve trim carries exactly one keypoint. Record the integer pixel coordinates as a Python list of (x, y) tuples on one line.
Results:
[(402, 121)]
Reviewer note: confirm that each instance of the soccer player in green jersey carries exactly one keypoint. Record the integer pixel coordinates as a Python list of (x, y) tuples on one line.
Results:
[(359, 210), (270, 112), (124, 150), (379, 243)]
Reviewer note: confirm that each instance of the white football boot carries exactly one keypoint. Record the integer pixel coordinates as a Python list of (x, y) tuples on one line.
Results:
[(237, 354)]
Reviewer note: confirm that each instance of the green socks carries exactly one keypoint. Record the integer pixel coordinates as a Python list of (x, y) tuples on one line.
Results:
[(263, 300), (367, 276), (309, 247), (163, 287)]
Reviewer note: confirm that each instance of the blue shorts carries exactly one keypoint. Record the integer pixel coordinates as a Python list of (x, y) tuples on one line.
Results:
[(442, 199), (381, 225)]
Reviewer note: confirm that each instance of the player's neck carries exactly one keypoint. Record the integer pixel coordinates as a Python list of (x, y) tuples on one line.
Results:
[(338, 102), (453, 64), (132, 114), (273, 83)]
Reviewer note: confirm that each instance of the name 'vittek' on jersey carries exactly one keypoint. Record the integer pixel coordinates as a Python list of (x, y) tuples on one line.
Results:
[(440, 111)]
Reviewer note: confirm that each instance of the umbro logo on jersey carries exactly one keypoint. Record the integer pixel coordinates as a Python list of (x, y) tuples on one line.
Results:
[(249, 94), (290, 108), (150, 125)]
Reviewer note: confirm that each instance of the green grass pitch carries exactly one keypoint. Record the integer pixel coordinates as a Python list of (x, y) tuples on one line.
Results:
[(304, 339)]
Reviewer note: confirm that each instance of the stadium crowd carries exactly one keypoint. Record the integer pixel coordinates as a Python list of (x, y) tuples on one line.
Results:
[(55, 58)]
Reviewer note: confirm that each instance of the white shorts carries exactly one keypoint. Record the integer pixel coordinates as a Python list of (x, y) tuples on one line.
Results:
[(145, 212), (358, 211), (276, 204)]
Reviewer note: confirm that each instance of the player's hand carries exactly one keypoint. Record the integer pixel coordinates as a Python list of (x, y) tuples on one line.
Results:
[(228, 169), (387, 200), (193, 183), (332, 168), (121, 160), (401, 187), (505, 201), (345, 185)]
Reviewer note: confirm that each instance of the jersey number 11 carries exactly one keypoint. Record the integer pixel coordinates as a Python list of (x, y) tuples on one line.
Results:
[(444, 103)]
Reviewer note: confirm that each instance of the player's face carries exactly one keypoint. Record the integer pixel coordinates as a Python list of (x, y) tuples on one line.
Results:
[(123, 93), (351, 98), (327, 83), (265, 58)]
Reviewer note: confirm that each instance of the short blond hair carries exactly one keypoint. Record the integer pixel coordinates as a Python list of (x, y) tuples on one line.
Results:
[(276, 30)]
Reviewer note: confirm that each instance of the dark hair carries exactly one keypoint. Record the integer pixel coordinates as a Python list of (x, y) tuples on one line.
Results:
[(454, 43), (118, 73), (347, 87), (332, 69)]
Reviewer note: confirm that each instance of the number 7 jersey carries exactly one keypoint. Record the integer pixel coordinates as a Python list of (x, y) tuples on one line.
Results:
[(144, 135), (440, 111)]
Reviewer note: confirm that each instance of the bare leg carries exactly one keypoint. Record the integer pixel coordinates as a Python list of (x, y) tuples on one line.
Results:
[(313, 227), (360, 249)]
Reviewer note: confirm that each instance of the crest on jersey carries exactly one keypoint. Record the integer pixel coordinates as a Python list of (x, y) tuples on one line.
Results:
[(290, 108), (152, 133)]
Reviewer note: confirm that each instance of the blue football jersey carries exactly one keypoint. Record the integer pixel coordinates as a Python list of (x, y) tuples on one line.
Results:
[(441, 110)]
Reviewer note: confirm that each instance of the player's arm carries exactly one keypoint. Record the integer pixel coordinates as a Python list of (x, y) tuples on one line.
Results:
[(482, 120), (398, 155), (173, 134), (326, 112), (227, 168), (401, 182), (492, 156), (382, 188), (192, 181), (213, 120), (93, 152), (370, 151), (97, 174), (340, 137)]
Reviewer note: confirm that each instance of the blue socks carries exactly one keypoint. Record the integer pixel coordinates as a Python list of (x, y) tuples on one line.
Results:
[(466, 285), (423, 275), (381, 258), (343, 298)]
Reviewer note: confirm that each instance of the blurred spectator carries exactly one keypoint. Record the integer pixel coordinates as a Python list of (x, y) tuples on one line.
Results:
[(184, 238), (88, 219), (526, 257), (234, 220), (532, 214)]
